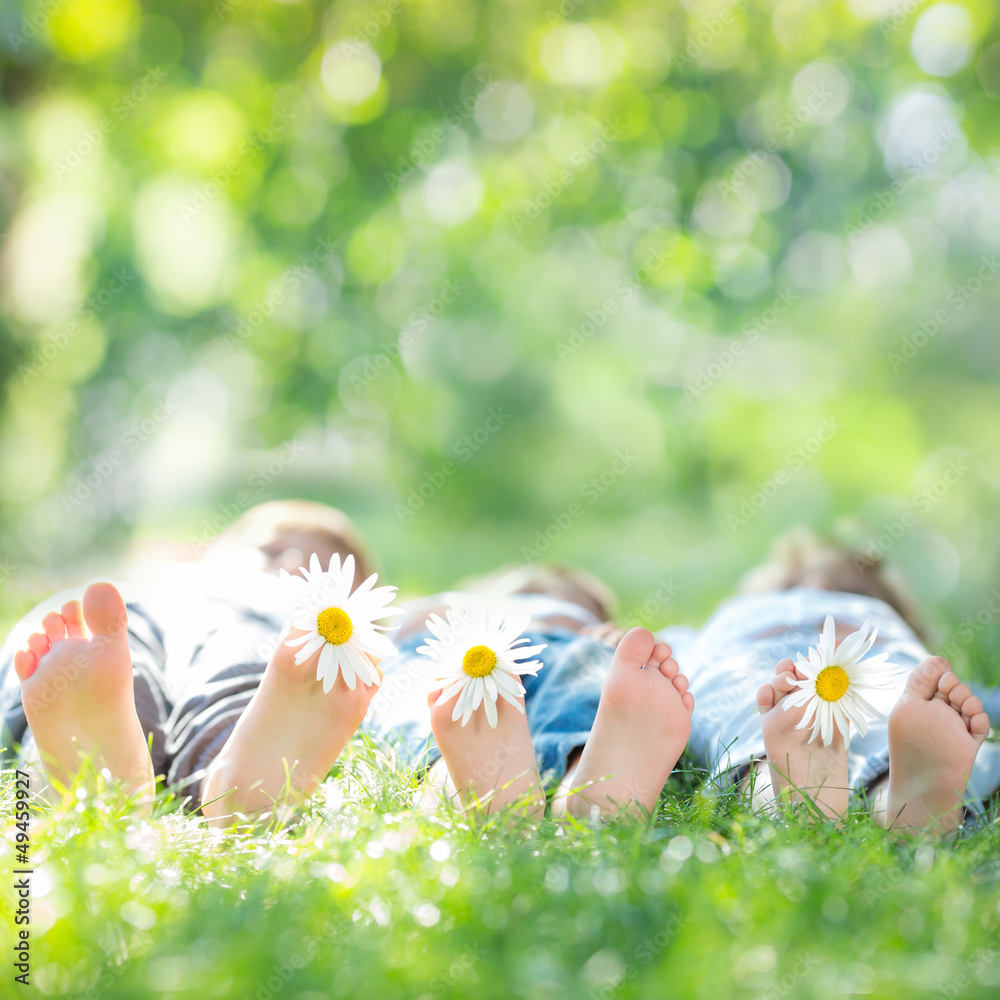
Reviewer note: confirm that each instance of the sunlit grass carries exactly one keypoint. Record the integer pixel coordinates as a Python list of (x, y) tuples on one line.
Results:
[(369, 892)]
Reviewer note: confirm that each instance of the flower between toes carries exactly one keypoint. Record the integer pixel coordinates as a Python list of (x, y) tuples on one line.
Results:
[(335, 625), (479, 661)]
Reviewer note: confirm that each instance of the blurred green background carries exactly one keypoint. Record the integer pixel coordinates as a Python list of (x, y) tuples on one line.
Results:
[(626, 284)]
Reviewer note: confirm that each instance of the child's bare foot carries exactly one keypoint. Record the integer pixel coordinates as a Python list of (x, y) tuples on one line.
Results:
[(935, 732), (77, 692), (489, 768), (642, 726), (799, 769), (286, 741)]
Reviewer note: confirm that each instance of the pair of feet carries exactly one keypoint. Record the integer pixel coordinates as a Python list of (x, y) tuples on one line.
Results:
[(935, 731), (77, 692), (642, 726)]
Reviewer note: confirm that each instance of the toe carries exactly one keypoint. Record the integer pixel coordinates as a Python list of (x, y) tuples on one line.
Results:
[(661, 652), (979, 726), (669, 668), (104, 611), (635, 649), (55, 627), (681, 683), (925, 678), (72, 613), (688, 700), (25, 664), (971, 706), (765, 698), (784, 683), (38, 643), (958, 695)]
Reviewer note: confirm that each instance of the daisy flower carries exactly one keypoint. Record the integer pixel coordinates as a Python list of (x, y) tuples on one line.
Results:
[(836, 680), (341, 623), (480, 653)]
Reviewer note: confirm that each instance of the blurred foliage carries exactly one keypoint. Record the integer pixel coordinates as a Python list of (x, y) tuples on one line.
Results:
[(656, 280)]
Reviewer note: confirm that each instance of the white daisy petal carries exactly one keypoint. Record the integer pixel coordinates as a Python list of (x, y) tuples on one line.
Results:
[(322, 591), (467, 625), (490, 704), (836, 701), (462, 703), (449, 692), (315, 642), (359, 663)]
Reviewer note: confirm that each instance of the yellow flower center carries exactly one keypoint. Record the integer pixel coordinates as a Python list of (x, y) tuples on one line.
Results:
[(479, 661), (832, 683), (335, 625)]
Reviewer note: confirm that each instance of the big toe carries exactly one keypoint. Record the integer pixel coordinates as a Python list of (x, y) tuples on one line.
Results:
[(635, 648), (925, 677), (104, 611)]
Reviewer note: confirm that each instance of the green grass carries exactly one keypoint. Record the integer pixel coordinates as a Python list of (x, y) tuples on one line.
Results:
[(370, 894)]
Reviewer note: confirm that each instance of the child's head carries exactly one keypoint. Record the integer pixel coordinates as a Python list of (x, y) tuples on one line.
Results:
[(283, 534), (800, 558), (566, 582)]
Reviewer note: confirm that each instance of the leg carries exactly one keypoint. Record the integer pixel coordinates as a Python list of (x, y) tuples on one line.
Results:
[(491, 769), (77, 692), (285, 742), (799, 770), (935, 732), (642, 726)]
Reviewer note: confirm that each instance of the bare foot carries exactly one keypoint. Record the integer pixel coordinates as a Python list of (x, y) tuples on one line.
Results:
[(490, 769), (286, 741), (801, 770), (642, 726), (935, 732), (77, 692)]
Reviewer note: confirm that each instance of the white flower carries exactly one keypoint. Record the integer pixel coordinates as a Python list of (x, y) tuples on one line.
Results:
[(477, 652), (836, 679), (341, 623)]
